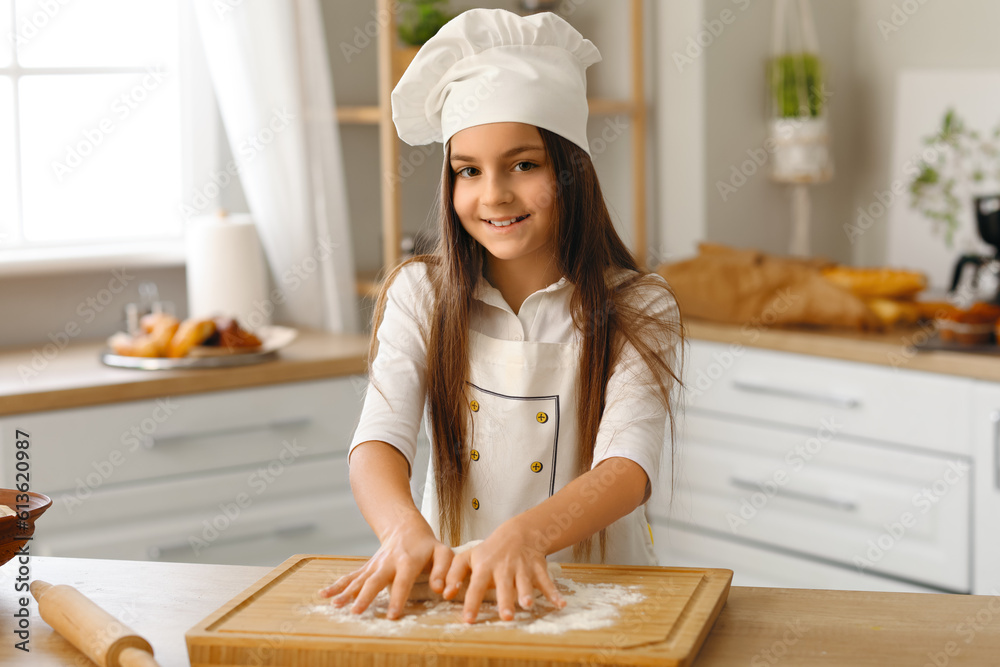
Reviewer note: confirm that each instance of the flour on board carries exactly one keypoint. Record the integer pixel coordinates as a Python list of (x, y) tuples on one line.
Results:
[(588, 607)]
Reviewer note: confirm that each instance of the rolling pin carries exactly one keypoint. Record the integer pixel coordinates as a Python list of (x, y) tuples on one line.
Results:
[(99, 635)]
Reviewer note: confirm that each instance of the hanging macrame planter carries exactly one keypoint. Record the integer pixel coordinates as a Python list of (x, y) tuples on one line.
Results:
[(798, 120)]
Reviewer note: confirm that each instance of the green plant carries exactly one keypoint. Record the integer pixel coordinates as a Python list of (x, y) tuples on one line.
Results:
[(790, 76), (421, 19), (958, 159)]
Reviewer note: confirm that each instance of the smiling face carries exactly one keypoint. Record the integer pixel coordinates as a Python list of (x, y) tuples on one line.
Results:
[(504, 194)]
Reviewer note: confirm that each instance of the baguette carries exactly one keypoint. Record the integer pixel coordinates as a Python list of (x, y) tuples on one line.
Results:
[(872, 283)]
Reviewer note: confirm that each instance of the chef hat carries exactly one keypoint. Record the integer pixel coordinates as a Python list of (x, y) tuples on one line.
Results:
[(493, 66)]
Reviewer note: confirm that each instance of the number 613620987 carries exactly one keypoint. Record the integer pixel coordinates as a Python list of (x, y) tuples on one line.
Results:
[(22, 467)]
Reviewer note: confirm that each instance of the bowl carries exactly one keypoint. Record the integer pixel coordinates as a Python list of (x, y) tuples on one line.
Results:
[(12, 535)]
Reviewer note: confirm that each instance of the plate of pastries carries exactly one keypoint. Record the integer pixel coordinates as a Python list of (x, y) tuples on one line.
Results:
[(162, 341)]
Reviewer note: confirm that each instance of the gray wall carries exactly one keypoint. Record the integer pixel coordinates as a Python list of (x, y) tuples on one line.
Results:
[(758, 214), (864, 62), (720, 99), (40, 309), (956, 33)]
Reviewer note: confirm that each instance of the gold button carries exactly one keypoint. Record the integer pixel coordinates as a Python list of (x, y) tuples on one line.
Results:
[(536, 466), (475, 503), (542, 417), (474, 405), (475, 455)]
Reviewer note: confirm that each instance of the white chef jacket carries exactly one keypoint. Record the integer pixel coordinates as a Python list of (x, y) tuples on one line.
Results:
[(633, 425)]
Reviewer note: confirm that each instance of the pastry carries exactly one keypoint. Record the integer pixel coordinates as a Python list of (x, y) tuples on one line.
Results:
[(930, 310), (150, 321), (877, 282), (190, 333), (894, 312), (158, 330), (232, 336), (133, 346), (972, 326)]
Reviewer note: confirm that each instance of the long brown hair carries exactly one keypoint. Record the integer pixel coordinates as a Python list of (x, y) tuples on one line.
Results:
[(609, 316)]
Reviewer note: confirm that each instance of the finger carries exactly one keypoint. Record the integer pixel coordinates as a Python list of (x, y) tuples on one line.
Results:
[(474, 596), (372, 587), (548, 588), (443, 557), (506, 595), (457, 573), (352, 589), (525, 590), (402, 584), (339, 585)]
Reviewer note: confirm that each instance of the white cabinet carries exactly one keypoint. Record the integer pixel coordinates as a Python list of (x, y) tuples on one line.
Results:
[(986, 441), (800, 471), (239, 477)]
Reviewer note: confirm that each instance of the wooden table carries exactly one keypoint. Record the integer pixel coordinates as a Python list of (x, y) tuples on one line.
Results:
[(758, 627)]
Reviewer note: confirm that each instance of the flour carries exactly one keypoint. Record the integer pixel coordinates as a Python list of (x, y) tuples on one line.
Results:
[(588, 607)]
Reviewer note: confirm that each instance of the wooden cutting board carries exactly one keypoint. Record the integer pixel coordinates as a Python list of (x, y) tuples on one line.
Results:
[(616, 615)]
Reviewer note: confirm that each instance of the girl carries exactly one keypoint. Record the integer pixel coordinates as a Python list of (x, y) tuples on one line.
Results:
[(543, 356)]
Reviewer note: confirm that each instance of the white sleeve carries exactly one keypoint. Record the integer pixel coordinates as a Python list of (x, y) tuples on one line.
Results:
[(397, 378), (634, 424)]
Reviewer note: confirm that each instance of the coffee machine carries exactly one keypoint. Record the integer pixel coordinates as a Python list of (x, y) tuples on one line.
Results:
[(979, 275)]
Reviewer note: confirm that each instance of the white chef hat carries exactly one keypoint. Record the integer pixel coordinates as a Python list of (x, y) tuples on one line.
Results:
[(493, 66)]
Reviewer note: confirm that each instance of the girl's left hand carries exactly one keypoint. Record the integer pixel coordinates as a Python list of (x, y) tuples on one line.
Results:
[(505, 561)]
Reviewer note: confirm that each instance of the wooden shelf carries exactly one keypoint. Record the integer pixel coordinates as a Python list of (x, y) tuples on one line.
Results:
[(362, 115), (367, 283), (371, 115), (606, 107)]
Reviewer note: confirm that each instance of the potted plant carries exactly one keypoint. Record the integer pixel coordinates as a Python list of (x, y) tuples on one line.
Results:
[(958, 163), (795, 77), (798, 121), (419, 20)]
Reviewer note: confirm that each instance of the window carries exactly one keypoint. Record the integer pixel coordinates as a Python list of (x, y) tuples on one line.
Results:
[(91, 151)]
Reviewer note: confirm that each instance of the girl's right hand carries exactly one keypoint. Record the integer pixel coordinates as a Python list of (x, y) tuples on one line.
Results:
[(405, 552)]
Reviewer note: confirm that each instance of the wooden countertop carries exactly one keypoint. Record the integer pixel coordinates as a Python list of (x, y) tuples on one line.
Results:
[(894, 349), (758, 626), (75, 377)]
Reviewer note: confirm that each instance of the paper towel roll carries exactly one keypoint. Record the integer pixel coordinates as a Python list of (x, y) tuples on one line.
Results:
[(226, 273)]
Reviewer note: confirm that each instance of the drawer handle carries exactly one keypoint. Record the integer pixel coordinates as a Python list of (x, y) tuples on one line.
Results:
[(758, 387), (995, 418), (159, 552), (149, 442), (826, 501)]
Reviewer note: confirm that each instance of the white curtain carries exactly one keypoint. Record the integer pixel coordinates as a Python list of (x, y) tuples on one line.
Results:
[(270, 70)]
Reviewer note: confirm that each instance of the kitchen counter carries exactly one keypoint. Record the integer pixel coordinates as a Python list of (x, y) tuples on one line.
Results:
[(74, 377), (758, 626), (893, 348)]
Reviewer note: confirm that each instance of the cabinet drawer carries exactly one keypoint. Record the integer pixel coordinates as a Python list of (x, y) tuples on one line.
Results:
[(676, 546), (872, 508), (893, 405), (232, 518), (207, 494), (83, 450)]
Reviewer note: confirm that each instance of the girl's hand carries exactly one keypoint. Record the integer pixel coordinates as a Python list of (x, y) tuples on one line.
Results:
[(405, 552), (507, 562)]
